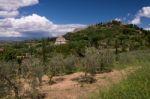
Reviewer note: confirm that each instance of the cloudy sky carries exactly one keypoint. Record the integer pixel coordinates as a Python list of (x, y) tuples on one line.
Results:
[(42, 18)]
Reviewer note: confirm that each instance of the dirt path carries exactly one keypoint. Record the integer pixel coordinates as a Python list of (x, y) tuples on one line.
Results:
[(68, 89)]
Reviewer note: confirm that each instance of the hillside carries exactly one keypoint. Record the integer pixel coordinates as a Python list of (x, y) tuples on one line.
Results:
[(110, 35)]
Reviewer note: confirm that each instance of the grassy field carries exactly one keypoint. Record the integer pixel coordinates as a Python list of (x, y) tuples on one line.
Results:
[(137, 85)]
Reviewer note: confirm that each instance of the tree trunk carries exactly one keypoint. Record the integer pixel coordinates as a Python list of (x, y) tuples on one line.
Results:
[(85, 74), (16, 92), (50, 79), (40, 81)]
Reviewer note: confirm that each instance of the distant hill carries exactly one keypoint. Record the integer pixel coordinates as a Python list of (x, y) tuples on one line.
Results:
[(10, 39), (110, 35), (17, 39)]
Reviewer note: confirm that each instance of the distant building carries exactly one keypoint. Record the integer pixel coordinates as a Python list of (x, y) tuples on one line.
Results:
[(60, 40)]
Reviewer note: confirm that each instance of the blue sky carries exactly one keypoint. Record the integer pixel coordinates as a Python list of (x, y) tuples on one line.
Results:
[(86, 11), (31, 18)]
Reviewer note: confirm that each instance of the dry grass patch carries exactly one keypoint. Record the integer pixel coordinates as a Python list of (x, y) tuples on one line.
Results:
[(68, 89)]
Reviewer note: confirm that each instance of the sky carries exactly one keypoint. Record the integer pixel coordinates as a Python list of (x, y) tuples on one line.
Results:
[(42, 18)]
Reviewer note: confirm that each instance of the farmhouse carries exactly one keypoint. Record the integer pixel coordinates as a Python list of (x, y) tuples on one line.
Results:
[(60, 40)]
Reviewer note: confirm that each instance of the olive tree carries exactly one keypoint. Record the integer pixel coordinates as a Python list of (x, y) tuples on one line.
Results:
[(96, 60), (33, 67), (55, 67), (9, 80)]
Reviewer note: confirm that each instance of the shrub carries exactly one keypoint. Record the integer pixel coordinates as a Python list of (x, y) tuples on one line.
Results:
[(11, 84), (105, 61), (69, 63), (55, 67), (8, 80), (33, 67), (96, 60)]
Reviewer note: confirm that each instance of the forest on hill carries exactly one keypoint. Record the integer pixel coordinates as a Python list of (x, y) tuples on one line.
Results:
[(111, 35)]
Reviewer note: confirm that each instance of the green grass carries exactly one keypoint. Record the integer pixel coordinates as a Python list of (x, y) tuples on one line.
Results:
[(136, 86), (134, 58)]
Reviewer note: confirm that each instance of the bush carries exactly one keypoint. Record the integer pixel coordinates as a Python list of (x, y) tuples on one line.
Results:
[(55, 67), (33, 67), (8, 80), (12, 83), (69, 63), (105, 61), (96, 60)]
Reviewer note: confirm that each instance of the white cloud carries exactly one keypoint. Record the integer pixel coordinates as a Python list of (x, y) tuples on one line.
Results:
[(8, 13), (28, 26), (34, 25), (136, 20), (9, 8), (118, 19), (11, 5), (148, 28), (144, 12), (9, 34)]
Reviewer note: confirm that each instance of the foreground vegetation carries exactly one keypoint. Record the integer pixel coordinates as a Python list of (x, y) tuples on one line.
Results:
[(137, 85), (21, 70)]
